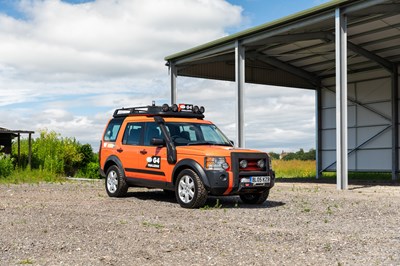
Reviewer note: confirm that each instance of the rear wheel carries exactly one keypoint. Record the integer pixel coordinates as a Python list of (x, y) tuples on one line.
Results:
[(255, 198), (190, 191), (115, 183)]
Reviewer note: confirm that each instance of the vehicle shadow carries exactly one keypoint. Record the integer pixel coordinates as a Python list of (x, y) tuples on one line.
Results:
[(227, 202)]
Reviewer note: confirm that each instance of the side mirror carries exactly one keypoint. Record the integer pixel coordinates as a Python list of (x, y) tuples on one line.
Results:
[(157, 142), (233, 143)]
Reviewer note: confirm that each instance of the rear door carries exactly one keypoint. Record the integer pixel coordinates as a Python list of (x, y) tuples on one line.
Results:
[(130, 147)]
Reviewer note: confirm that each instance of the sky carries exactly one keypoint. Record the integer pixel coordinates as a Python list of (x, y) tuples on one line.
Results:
[(67, 65)]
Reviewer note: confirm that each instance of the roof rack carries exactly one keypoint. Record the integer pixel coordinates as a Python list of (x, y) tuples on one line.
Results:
[(181, 110)]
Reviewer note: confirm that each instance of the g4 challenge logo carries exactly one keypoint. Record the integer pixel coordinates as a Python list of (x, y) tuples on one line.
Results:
[(153, 162)]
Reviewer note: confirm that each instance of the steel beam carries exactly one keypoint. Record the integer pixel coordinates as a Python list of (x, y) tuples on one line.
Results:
[(341, 99), (367, 54), (309, 77), (395, 121), (240, 80), (174, 74), (318, 133)]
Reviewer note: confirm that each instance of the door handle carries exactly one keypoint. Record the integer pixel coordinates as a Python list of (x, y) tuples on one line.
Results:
[(120, 150), (143, 152)]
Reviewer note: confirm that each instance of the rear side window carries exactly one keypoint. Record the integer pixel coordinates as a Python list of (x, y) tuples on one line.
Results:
[(133, 133), (113, 129)]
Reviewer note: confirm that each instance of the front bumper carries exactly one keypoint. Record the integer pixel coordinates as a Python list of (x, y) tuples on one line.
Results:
[(230, 182), (222, 181)]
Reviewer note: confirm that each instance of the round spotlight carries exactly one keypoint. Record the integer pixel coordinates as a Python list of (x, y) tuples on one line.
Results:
[(202, 109), (174, 108), (195, 109), (261, 163), (243, 164), (165, 107)]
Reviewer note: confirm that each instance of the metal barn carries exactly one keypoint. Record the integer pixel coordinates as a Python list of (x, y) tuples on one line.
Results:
[(348, 51)]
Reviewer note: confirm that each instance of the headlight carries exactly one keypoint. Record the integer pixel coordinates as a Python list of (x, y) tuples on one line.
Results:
[(261, 163), (243, 164), (216, 163)]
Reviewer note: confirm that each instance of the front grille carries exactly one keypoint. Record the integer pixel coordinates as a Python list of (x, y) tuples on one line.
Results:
[(252, 168)]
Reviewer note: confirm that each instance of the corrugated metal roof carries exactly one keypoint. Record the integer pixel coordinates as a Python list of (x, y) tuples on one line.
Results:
[(295, 17)]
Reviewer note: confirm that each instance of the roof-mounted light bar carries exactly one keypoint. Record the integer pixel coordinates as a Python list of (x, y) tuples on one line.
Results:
[(175, 110)]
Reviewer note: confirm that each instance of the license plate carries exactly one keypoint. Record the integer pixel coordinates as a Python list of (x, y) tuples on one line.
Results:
[(260, 180)]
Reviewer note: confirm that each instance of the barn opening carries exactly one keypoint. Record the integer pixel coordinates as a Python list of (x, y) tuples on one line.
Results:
[(347, 51)]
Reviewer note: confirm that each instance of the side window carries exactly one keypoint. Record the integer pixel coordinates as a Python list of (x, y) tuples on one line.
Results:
[(152, 131), (188, 132), (112, 129), (132, 134)]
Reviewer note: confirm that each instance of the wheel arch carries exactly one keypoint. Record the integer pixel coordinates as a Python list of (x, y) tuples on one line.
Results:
[(193, 165), (113, 160)]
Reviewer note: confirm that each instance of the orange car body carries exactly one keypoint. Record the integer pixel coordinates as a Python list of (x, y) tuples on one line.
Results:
[(143, 146)]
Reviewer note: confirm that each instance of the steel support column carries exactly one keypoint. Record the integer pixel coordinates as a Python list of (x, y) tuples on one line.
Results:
[(174, 74), (318, 133), (341, 99), (395, 120), (240, 80)]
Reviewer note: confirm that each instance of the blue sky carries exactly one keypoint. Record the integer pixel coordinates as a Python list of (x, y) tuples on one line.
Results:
[(66, 65)]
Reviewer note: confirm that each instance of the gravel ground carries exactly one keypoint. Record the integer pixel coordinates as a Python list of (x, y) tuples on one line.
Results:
[(76, 223)]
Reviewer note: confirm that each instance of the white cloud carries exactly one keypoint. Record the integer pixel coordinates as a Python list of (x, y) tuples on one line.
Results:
[(66, 67)]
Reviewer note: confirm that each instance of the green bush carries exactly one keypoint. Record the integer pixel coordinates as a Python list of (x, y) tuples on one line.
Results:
[(57, 155), (90, 171), (6, 165)]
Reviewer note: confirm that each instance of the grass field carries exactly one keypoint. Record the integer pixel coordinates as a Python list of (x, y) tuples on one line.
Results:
[(283, 169), (294, 168)]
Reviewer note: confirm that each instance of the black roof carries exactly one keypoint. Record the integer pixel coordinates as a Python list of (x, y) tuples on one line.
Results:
[(8, 131)]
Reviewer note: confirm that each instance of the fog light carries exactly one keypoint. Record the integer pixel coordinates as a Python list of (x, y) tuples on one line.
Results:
[(223, 178), (174, 107), (202, 109), (195, 109), (243, 164)]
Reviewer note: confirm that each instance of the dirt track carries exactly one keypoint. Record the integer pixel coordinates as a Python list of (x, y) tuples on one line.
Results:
[(76, 223)]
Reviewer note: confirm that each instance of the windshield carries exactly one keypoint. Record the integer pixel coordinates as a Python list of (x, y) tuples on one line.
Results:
[(196, 134)]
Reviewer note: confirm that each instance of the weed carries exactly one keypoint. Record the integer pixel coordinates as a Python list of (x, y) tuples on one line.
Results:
[(327, 247), (217, 205), (155, 225), (26, 261)]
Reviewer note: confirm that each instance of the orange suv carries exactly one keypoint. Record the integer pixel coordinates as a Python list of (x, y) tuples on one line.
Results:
[(175, 149)]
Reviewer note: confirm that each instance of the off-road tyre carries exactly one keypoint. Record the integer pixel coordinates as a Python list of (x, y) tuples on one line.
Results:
[(189, 190), (115, 183), (255, 198)]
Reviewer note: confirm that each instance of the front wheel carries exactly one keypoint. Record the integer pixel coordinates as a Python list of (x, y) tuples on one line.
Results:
[(190, 191), (115, 183), (255, 198)]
